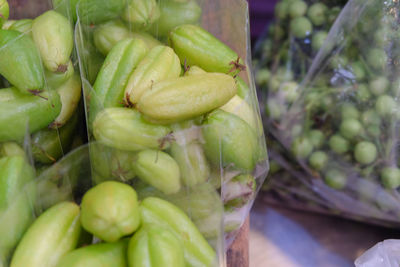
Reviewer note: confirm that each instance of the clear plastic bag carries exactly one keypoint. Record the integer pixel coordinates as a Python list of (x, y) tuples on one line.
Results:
[(236, 173), (337, 133), (46, 120), (383, 254)]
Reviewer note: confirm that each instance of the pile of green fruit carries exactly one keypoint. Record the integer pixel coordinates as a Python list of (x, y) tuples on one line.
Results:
[(167, 104), (339, 129), (153, 232), (43, 90)]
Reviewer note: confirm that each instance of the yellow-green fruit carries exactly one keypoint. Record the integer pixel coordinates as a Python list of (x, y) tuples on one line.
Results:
[(194, 70), (196, 46), (70, 95), (57, 79), (161, 63), (103, 254), (240, 108), (184, 98), (108, 34), (110, 211), (4, 11), (229, 140), (7, 24), (174, 13), (22, 25), (141, 13), (16, 201), (51, 236), (53, 35), (158, 169), (10, 149), (150, 41), (197, 251), (20, 62), (155, 246), (125, 129)]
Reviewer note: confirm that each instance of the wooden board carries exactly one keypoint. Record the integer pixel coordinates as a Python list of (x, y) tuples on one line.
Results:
[(238, 254)]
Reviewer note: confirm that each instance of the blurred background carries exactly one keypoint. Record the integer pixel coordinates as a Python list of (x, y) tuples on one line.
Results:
[(286, 237)]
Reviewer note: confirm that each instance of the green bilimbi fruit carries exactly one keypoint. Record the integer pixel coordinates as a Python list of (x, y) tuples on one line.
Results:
[(239, 191), (108, 34), (23, 26), (50, 145), (51, 236), (158, 169), (197, 251), (4, 11), (98, 11), (108, 90), (240, 108), (7, 24), (194, 70), (150, 41), (161, 63), (56, 79), (53, 35), (103, 254), (125, 129), (70, 95), (155, 246), (111, 164), (110, 211), (20, 61), (16, 210), (10, 149), (230, 141), (196, 46), (7, 94), (27, 113), (243, 88), (141, 13), (189, 155), (174, 13), (184, 98)]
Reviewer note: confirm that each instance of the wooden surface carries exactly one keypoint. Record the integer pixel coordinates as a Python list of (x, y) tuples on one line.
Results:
[(238, 254), (20, 9)]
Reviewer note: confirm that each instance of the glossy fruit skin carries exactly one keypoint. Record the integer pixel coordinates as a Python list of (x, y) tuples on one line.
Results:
[(154, 246), (185, 98), (21, 64), (229, 141), (161, 63), (16, 210), (318, 160), (103, 254), (174, 13), (158, 169), (196, 46), (197, 251), (10, 149), (141, 14), (53, 35), (302, 147), (49, 145), (125, 129), (338, 144), (70, 94), (301, 27), (350, 128), (27, 113), (52, 235), (98, 11), (110, 211), (108, 90)]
